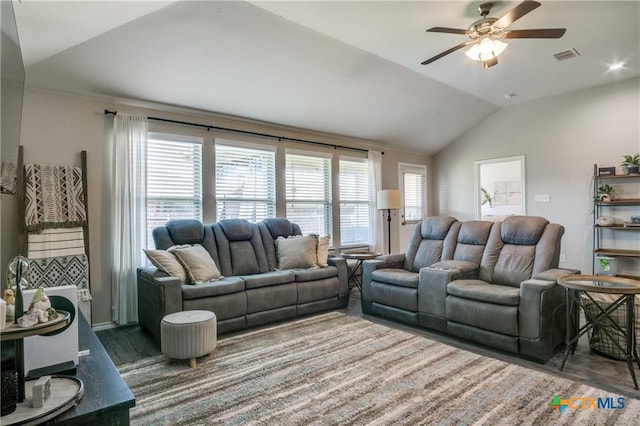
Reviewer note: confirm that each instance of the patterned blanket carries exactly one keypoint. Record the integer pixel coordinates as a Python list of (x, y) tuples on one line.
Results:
[(53, 197), (57, 271)]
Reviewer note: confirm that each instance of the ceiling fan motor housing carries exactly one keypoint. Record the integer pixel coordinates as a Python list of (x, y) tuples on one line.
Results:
[(481, 28)]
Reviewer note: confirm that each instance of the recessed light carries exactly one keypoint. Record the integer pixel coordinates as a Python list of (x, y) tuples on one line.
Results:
[(510, 95), (617, 66)]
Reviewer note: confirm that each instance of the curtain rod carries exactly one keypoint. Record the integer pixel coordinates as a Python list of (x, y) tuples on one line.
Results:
[(246, 132)]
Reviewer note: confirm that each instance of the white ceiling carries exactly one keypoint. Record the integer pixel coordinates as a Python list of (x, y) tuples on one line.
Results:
[(350, 68)]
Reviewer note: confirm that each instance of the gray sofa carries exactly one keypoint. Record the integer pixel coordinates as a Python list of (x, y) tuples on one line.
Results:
[(493, 283), (252, 291)]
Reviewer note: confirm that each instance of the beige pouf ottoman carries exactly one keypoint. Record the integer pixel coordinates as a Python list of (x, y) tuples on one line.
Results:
[(188, 335)]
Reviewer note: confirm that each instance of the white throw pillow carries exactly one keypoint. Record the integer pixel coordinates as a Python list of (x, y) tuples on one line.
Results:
[(296, 252), (322, 251), (197, 262), (166, 262)]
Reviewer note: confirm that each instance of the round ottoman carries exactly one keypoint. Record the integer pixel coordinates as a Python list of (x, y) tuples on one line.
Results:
[(188, 335)]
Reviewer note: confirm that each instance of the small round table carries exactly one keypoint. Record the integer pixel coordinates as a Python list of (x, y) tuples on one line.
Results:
[(355, 269), (585, 284)]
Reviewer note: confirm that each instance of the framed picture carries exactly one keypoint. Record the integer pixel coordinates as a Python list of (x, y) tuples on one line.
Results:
[(606, 171)]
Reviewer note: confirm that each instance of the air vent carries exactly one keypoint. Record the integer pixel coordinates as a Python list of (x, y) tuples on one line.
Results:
[(566, 54)]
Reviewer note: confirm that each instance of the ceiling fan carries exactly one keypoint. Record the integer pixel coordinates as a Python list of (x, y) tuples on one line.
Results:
[(486, 35)]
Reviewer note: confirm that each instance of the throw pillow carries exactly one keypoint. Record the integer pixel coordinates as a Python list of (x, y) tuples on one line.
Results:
[(197, 262), (296, 252), (323, 251), (166, 262)]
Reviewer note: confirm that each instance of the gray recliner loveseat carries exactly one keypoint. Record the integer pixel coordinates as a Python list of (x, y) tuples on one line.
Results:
[(493, 283), (253, 290)]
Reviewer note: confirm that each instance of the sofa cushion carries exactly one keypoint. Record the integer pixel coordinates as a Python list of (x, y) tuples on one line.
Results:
[(514, 265), (482, 291), (462, 265), (166, 262), (226, 285), (279, 227), (436, 227), (186, 231), (296, 252), (236, 229), (267, 279), (487, 316), (315, 274), (197, 262), (523, 230), (397, 277)]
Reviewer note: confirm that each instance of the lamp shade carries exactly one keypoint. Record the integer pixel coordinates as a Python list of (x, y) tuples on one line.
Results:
[(486, 49), (388, 199)]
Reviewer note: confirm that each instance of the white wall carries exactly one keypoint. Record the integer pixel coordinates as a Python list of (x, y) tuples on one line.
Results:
[(55, 128), (562, 137)]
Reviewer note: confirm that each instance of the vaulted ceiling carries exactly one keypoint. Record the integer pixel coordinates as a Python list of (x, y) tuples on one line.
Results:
[(349, 68)]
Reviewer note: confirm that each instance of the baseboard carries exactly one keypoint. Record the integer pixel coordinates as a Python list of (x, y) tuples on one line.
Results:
[(105, 326)]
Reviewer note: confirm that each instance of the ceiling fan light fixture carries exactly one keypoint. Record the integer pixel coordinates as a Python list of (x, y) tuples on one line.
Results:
[(487, 49)]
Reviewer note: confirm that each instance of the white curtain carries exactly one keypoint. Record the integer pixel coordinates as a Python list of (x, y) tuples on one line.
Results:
[(128, 159), (375, 219)]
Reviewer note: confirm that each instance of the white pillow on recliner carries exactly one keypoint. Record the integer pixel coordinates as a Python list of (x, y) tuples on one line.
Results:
[(296, 252), (166, 262), (197, 262)]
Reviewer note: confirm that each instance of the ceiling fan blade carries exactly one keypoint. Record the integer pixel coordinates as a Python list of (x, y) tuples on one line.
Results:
[(447, 30), (541, 33), (446, 52), (516, 13)]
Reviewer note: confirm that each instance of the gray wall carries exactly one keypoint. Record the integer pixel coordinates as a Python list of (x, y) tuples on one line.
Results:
[(562, 137), (56, 127)]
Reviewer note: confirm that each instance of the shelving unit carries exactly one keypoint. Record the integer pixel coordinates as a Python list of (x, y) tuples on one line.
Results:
[(602, 208)]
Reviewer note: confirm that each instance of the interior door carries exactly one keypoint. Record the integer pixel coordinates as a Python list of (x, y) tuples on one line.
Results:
[(413, 196)]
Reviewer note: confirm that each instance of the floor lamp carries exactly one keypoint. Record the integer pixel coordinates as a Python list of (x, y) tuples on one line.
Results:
[(388, 199)]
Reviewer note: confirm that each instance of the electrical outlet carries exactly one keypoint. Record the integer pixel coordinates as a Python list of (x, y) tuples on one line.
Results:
[(84, 295), (541, 198), (562, 258)]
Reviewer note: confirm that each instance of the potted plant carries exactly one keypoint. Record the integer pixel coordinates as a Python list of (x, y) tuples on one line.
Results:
[(631, 163), (605, 193)]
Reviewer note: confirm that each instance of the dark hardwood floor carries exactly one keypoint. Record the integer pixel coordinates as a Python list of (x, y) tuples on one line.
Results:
[(128, 344)]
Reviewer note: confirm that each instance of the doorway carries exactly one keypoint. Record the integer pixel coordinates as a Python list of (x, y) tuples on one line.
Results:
[(412, 180)]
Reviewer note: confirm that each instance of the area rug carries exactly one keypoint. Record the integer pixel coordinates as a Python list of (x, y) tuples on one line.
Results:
[(339, 369)]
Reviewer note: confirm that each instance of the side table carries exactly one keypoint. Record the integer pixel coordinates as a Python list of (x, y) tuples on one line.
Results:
[(575, 285), (356, 268), (66, 391)]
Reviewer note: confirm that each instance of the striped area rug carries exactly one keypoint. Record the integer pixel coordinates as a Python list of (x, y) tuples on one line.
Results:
[(338, 369)]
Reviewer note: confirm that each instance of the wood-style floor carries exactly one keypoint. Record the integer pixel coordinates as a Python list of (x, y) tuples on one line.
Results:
[(129, 344)]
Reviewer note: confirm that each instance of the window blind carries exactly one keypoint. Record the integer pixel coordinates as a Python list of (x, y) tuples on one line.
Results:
[(174, 181), (413, 184), (354, 201), (245, 183), (308, 192)]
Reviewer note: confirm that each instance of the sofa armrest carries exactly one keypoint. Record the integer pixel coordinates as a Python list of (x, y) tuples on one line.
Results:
[(554, 274), (432, 286), (539, 302), (392, 260), (343, 275), (159, 294)]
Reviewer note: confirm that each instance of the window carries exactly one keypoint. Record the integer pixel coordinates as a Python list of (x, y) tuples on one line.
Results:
[(245, 182), (174, 180), (413, 190), (354, 201), (308, 191)]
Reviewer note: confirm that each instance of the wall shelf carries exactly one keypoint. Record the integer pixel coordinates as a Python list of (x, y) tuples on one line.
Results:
[(629, 204)]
